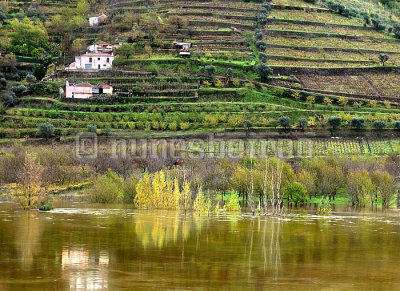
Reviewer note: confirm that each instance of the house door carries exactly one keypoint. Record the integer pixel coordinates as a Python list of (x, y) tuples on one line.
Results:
[(88, 66), (99, 67), (73, 94)]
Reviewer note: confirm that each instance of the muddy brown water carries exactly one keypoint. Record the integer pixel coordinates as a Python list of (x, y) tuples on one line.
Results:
[(82, 246)]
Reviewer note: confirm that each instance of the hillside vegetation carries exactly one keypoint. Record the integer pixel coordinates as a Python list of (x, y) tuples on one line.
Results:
[(328, 58)]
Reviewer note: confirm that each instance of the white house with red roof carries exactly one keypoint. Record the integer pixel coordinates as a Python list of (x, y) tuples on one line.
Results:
[(86, 90), (92, 61)]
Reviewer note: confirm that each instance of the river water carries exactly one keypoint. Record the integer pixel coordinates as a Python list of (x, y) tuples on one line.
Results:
[(84, 246)]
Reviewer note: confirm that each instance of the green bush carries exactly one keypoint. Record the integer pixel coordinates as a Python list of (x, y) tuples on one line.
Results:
[(30, 78), (296, 193), (232, 205), (357, 122), (129, 189), (263, 71), (91, 128), (302, 123), (379, 124), (45, 130), (284, 121), (18, 89), (106, 188), (8, 99), (334, 122)]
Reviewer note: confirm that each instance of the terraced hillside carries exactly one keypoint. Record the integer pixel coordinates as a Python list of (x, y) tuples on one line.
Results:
[(318, 56), (330, 53)]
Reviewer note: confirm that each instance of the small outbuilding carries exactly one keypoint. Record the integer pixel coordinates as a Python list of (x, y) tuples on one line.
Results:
[(97, 19), (184, 55), (86, 90)]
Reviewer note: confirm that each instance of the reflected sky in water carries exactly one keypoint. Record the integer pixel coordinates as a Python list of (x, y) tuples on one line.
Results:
[(97, 247)]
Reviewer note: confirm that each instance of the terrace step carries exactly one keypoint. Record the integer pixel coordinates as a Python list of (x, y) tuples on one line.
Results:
[(328, 49), (272, 57), (317, 23), (321, 34)]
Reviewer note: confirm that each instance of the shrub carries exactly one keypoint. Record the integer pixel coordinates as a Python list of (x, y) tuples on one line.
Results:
[(3, 82), (232, 205), (229, 72), (219, 84), (184, 125), (173, 126), (396, 125), (45, 130), (284, 121), (19, 89), (357, 122), (296, 193), (261, 45), (106, 188), (334, 122), (379, 124), (302, 123), (202, 70), (91, 128), (263, 57), (8, 99), (107, 131), (259, 35), (263, 71), (210, 69), (383, 58), (129, 189), (30, 78)]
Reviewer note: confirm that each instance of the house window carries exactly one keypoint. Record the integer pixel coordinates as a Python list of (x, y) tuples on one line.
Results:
[(90, 60), (108, 60), (98, 59)]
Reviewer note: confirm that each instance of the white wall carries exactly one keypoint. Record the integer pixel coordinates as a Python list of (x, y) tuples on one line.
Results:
[(94, 21), (107, 91), (96, 63), (78, 92)]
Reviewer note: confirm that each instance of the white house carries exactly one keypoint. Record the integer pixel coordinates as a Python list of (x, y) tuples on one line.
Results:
[(95, 20), (86, 90), (182, 45), (100, 47), (92, 61)]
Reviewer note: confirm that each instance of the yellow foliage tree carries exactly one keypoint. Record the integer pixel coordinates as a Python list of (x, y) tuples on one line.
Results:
[(29, 191)]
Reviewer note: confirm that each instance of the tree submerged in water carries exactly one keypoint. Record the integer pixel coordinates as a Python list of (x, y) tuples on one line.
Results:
[(325, 207), (232, 204), (29, 192)]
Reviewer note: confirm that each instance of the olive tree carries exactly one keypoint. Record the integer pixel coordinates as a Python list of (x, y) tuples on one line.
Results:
[(285, 122), (263, 71), (334, 122), (45, 130)]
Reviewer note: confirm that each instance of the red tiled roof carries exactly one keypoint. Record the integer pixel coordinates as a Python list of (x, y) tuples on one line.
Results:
[(84, 84), (96, 55)]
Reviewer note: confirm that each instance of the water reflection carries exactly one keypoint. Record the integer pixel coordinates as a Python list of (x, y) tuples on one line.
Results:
[(27, 238), (85, 270), (95, 248)]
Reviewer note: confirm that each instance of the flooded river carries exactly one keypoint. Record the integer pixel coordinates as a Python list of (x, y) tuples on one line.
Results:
[(84, 246)]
